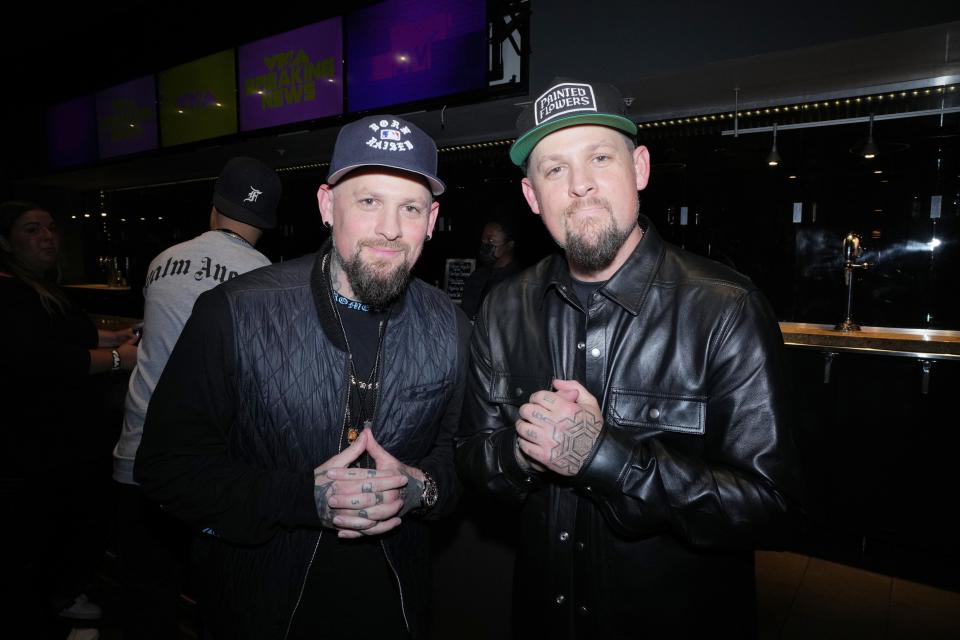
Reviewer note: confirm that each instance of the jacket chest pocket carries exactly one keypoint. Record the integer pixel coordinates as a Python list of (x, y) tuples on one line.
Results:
[(515, 389), (667, 416), (411, 419)]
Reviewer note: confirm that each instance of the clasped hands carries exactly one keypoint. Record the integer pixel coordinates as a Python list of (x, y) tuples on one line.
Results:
[(365, 502), (557, 429)]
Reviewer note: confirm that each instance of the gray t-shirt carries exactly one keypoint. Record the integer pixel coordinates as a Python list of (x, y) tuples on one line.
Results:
[(175, 280)]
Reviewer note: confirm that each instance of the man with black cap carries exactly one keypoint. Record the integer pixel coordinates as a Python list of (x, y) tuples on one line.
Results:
[(305, 420), (245, 198), (629, 396)]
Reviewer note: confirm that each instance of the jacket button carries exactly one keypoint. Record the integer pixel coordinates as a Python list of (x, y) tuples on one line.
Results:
[(581, 346), (564, 536), (581, 546), (595, 352), (654, 413), (582, 610), (518, 391), (560, 598)]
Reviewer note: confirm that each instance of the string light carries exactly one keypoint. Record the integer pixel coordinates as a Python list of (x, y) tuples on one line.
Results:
[(805, 106)]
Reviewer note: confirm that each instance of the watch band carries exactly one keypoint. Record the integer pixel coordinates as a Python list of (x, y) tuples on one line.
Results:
[(116, 359)]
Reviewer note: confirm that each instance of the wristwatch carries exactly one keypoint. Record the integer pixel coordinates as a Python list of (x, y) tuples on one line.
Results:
[(429, 496), (116, 360)]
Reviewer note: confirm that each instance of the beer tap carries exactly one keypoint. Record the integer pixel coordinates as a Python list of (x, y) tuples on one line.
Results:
[(851, 252)]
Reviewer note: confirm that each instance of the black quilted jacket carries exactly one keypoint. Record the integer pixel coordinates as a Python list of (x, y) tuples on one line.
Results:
[(252, 400)]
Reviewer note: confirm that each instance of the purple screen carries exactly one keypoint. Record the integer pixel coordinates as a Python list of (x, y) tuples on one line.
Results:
[(405, 50), (294, 76), (72, 132), (127, 118)]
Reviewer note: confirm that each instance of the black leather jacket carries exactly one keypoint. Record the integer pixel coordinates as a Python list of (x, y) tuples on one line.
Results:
[(694, 467), (252, 400)]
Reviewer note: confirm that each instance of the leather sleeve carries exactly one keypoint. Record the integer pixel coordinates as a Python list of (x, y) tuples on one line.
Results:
[(741, 492), (486, 441)]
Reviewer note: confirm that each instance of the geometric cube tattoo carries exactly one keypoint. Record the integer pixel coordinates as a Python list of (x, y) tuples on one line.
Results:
[(575, 443)]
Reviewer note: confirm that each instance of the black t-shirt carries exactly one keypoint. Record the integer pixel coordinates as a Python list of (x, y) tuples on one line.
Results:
[(586, 289), (348, 576)]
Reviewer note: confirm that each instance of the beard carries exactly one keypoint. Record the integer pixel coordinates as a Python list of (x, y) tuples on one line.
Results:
[(375, 283), (594, 250)]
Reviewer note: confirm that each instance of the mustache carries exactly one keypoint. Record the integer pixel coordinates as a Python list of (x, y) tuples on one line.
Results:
[(587, 203), (386, 244)]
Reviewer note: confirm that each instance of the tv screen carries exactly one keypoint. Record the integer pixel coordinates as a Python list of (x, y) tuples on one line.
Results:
[(404, 50), (72, 132), (292, 77), (198, 100), (127, 117)]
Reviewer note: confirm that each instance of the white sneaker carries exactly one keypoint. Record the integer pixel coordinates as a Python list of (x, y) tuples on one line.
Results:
[(83, 634), (81, 609)]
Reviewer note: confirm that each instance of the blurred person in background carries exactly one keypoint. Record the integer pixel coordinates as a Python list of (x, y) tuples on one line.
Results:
[(55, 494)]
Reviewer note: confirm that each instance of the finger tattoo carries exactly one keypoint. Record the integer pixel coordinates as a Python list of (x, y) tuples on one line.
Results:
[(378, 498), (362, 513), (367, 487), (355, 502), (531, 434), (541, 417)]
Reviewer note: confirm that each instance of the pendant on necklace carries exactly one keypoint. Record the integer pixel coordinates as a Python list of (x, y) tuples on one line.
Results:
[(354, 432)]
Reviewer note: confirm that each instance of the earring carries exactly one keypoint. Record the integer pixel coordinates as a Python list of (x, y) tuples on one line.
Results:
[(328, 225), (428, 237)]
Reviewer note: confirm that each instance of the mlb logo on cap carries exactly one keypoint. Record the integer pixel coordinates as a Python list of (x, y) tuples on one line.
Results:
[(389, 134)]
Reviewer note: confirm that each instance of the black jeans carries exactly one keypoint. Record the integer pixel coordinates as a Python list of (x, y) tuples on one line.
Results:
[(152, 550)]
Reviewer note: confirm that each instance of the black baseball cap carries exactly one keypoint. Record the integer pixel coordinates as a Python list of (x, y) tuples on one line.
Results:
[(567, 103), (249, 191), (385, 141)]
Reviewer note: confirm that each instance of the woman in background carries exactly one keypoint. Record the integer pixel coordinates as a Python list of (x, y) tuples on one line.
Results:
[(50, 475)]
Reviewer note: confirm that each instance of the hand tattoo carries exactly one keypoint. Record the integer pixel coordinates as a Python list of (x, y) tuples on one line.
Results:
[(575, 441), (378, 498), (410, 494), (367, 487), (531, 435), (321, 495)]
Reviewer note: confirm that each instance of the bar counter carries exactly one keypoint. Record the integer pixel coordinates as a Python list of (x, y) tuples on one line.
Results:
[(923, 344)]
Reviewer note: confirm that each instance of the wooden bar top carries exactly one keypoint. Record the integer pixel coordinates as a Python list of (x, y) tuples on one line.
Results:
[(935, 344)]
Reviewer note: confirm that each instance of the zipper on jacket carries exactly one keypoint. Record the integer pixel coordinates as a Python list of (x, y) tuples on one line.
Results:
[(303, 586), (403, 606)]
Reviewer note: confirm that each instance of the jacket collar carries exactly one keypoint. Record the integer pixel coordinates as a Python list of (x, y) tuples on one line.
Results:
[(627, 287), (323, 297)]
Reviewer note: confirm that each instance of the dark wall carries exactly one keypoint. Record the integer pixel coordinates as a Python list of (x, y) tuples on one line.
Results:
[(620, 40)]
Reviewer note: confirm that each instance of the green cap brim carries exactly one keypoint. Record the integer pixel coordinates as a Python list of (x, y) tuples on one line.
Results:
[(525, 143)]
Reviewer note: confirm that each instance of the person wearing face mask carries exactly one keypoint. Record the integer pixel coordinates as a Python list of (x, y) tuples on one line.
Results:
[(52, 487), (496, 263)]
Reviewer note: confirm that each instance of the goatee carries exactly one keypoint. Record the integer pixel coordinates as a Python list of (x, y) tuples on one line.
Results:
[(595, 253), (372, 283)]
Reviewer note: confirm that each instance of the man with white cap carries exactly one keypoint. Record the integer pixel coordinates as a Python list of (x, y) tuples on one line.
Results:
[(629, 396), (305, 420)]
